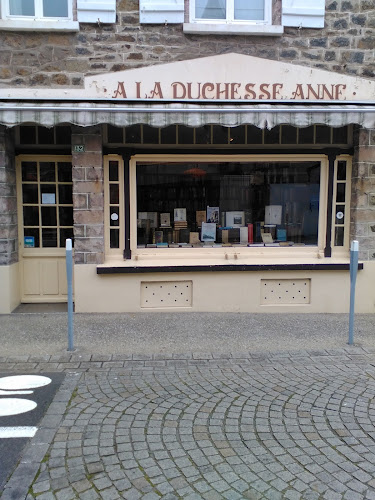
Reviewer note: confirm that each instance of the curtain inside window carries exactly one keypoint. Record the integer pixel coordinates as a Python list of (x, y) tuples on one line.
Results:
[(55, 8), (210, 9), (249, 11), (21, 7)]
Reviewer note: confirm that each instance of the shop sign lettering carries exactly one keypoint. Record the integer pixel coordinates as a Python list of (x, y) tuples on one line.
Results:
[(231, 90)]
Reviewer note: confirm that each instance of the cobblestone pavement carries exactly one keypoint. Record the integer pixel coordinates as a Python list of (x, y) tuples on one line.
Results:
[(279, 426)]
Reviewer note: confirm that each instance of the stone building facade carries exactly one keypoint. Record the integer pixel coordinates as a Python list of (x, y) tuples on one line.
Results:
[(52, 66)]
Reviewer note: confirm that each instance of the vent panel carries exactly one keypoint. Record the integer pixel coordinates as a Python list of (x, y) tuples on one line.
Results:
[(285, 291), (156, 294)]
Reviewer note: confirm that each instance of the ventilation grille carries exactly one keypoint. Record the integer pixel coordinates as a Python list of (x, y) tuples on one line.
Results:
[(166, 294), (285, 291)]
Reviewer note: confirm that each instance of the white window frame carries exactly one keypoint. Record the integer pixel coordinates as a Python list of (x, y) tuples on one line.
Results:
[(230, 15), (218, 255), (37, 22)]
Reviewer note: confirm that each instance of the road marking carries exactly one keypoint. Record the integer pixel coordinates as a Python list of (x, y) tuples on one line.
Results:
[(23, 382), (15, 406), (12, 393), (17, 432)]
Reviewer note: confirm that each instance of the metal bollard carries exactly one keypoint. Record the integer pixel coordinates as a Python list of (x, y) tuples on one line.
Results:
[(69, 275), (353, 277)]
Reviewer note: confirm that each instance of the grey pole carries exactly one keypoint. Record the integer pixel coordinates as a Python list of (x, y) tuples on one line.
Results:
[(69, 275), (353, 277)]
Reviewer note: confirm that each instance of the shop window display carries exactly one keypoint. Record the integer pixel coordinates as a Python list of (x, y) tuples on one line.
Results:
[(228, 204)]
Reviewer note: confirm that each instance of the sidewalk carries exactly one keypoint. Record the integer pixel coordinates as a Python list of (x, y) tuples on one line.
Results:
[(197, 406), (171, 333)]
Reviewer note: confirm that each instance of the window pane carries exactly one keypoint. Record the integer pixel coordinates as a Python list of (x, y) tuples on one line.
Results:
[(49, 216), (306, 135), (341, 171), (133, 134), (45, 135), (64, 172), (237, 135), (49, 238), (30, 193), (115, 134), (22, 7), (30, 216), (340, 194), (340, 214), (114, 238), (114, 194), (150, 135), (27, 134), (63, 135), (288, 135), (65, 194), (340, 135), (47, 171), (113, 171), (66, 216), (66, 233), (210, 9), (252, 12), (323, 134), (168, 135), (185, 135), (254, 135), (114, 216), (339, 236), (55, 8), (281, 198)]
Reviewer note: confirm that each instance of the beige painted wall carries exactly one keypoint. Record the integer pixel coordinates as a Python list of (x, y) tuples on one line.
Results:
[(9, 289), (224, 292)]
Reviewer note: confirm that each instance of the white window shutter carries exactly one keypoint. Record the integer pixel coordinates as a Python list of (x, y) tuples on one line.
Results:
[(303, 13), (161, 11), (89, 11)]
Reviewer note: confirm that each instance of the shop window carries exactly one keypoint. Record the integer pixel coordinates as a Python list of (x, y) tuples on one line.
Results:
[(37, 15), (47, 202), (228, 203), (33, 135)]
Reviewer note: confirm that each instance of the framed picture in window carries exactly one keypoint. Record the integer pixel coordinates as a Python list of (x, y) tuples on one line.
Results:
[(235, 219), (208, 231)]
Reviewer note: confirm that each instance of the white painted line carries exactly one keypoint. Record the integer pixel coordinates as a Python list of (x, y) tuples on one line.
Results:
[(12, 393), (15, 406), (23, 382), (17, 432)]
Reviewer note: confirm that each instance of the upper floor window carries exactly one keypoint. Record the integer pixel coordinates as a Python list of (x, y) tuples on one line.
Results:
[(39, 9), (230, 11), (37, 15)]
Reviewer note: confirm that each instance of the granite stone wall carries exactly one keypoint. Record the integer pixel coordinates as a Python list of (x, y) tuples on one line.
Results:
[(88, 196), (8, 201), (345, 45), (362, 226)]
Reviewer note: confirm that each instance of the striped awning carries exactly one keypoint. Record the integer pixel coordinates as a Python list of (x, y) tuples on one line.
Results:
[(162, 114)]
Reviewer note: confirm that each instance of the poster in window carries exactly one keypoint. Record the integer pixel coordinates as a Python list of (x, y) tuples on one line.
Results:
[(208, 231), (213, 215), (48, 199), (179, 214), (29, 242), (165, 220), (272, 214)]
